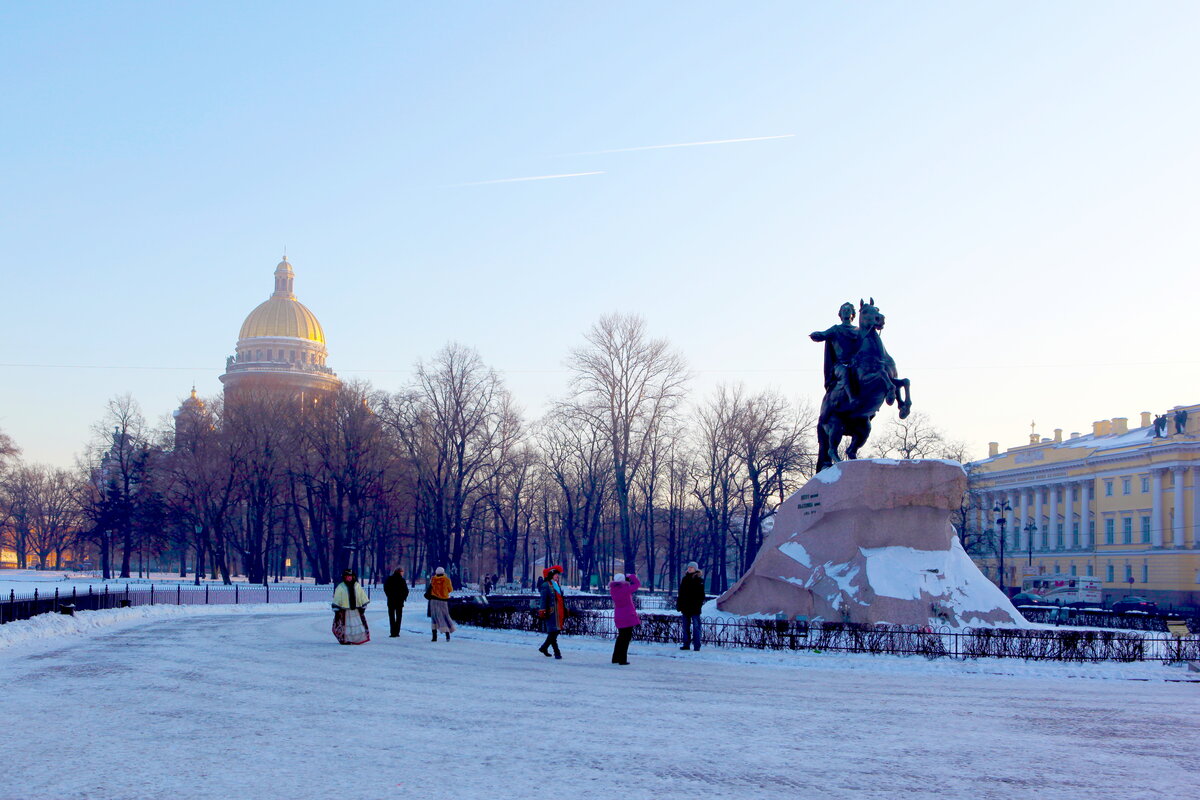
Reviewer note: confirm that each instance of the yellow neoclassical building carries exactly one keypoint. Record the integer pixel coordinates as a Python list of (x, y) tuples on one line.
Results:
[(1119, 503)]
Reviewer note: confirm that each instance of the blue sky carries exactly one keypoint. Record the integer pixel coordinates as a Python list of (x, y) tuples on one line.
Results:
[(1016, 184)]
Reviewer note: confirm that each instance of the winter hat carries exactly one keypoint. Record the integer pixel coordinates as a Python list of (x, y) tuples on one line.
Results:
[(618, 578), (440, 571), (693, 565)]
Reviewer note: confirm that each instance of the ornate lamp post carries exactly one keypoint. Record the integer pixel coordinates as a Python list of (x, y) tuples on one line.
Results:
[(1002, 508), (1030, 530)]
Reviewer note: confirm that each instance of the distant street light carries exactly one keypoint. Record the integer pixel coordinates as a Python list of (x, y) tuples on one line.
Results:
[(199, 529), (1030, 530), (1002, 508)]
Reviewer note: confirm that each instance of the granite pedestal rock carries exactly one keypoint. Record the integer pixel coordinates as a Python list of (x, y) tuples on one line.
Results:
[(871, 541)]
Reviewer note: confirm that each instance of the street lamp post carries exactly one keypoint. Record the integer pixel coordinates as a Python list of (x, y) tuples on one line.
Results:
[(1030, 530), (199, 529), (1002, 508)]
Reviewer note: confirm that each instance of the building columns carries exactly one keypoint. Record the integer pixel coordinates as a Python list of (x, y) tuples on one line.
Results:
[(1196, 507), (1085, 516), (1177, 524), (1037, 519), (1069, 525), (1022, 519), (1156, 513), (1052, 542)]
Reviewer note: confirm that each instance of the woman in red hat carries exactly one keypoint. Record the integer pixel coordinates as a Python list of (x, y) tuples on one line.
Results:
[(553, 611)]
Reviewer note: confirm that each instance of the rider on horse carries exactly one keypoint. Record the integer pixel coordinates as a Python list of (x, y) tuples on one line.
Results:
[(860, 376)]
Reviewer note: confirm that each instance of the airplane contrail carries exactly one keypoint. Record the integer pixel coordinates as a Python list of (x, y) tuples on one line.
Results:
[(531, 178), (682, 144)]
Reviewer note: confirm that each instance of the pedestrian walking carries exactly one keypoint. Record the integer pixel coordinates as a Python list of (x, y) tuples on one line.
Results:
[(689, 601), (625, 615), (438, 595), (349, 611), (553, 610), (396, 589)]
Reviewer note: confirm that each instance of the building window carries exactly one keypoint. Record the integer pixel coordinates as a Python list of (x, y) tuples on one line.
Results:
[(1110, 526), (1058, 495), (1058, 539), (1075, 535), (1128, 573), (1073, 573), (1127, 530), (1089, 571), (1145, 484), (1092, 530), (1126, 486), (1056, 568), (258, 355), (1145, 530), (1109, 574), (1145, 572), (1108, 488)]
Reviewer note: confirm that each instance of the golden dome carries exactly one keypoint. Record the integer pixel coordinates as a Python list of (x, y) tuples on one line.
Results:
[(282, 314)]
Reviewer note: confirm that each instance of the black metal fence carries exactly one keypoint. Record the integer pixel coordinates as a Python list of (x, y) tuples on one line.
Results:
[(1105, 618), (24, 606), (1049, 645)]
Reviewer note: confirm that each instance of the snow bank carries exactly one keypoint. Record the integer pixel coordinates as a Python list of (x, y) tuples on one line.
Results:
[(49, 626)]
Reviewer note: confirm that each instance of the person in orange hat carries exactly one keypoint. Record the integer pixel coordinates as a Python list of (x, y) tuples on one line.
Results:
[(553, 611)]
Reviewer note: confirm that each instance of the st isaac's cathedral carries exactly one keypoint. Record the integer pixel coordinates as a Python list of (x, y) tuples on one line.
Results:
[(281, 347), (280, 351)]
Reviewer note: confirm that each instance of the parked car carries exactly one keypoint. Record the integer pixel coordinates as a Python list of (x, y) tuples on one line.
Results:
[(1131, 604), (1029, 599)]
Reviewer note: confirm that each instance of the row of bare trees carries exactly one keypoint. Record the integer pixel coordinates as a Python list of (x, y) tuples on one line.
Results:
[(626, 472)]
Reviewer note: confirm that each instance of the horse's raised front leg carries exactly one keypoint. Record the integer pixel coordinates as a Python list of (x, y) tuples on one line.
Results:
[(902, 384)]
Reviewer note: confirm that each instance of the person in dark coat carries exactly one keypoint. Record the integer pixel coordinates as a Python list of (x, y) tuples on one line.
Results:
[(553, 610), (396, 589), (688, 602)]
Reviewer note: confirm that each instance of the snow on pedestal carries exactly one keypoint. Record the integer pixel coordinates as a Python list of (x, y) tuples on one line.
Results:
[(870, 541)]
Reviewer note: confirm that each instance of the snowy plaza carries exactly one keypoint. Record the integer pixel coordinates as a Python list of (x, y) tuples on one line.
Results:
[(257, 701)]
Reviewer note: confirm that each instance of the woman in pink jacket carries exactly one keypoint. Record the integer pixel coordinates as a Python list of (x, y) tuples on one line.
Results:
[(624, 614)]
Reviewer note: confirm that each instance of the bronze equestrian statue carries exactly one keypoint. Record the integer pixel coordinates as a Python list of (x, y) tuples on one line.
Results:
[(860, 377)]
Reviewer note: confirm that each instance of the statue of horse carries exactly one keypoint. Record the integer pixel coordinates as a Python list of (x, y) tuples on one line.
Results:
[(871, 380)]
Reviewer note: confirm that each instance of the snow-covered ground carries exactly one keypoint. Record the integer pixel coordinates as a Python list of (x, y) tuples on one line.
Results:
[(24, 581), (260, 702)]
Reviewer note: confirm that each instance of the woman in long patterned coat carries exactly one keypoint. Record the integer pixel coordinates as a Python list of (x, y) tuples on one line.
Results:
[(349, 611)]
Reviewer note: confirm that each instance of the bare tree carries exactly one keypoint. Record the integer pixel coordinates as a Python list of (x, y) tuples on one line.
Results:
[(117, 462), (453, 424), (718, 479), (774, 442), (8, 450), (626, 385), (46, 501), (914, 437), (576, 457)]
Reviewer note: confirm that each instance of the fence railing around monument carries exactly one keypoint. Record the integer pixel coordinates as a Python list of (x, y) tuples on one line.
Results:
[(23, 606), (759, 634)]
